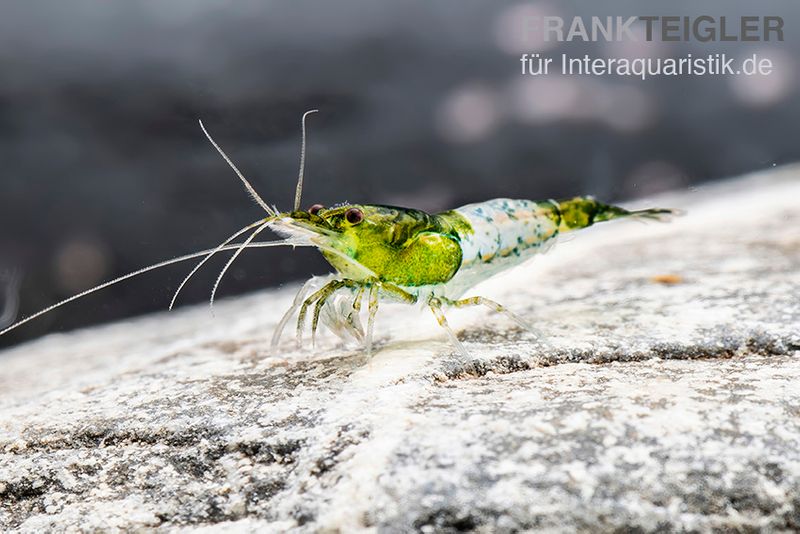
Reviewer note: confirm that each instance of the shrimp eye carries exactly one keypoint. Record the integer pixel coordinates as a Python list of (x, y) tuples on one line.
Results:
[(354, 215), (313, 210)]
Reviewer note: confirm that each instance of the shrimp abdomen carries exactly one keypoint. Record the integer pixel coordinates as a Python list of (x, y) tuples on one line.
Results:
[(502, 229), (581, 212)]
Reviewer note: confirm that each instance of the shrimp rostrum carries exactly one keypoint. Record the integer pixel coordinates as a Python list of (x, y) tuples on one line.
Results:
[(400, 254)]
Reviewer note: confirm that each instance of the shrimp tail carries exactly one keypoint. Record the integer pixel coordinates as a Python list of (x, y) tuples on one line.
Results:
[(581, 212)]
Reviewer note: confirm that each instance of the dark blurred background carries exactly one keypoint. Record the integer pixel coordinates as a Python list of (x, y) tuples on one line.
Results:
[(104, 167)]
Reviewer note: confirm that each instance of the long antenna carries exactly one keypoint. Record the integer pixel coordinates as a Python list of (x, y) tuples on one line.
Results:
[(239, 250), (247, 185), (203, 262), (145, 270), (299, 191)]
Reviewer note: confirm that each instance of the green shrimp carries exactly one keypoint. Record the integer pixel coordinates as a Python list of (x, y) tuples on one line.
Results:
[(400, 254)]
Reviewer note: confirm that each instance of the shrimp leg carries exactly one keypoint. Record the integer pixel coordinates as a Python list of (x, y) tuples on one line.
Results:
[(327, 292), (298, 300), (435, 305), (498, 308)]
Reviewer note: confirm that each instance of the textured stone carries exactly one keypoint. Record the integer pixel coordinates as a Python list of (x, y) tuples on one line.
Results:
[(667, 398)]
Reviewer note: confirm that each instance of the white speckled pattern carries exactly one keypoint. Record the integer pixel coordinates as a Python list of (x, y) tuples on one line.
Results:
[(506, 233)]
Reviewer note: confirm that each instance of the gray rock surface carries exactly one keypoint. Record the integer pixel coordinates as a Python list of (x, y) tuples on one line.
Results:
[(668, 400)]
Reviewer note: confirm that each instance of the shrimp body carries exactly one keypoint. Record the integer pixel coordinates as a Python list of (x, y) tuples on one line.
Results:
[(398, 253), (502, 233), (413, 256)]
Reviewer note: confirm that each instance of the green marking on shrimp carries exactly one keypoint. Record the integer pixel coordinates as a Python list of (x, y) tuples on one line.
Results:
[(400, 254)]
